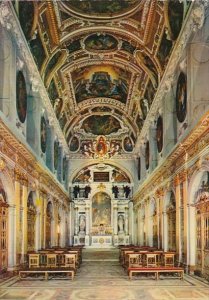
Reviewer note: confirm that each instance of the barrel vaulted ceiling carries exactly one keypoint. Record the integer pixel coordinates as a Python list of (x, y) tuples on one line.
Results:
[(101, 62)]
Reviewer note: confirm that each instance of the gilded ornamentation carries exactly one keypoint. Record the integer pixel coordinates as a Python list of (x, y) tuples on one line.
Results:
[(2, 164)]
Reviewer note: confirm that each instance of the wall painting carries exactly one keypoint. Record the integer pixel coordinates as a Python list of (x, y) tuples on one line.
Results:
[(181, 97), (21, 97), (43, 134), (147, 155), (101, 209), (74, 144), (56, 154), (159, 134)]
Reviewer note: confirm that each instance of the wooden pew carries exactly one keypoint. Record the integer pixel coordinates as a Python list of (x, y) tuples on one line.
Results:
[(157, 271), (46, 271)]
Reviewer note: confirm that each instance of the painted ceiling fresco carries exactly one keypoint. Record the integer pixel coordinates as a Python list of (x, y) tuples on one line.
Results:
[(101, 42), (101, 125), (101, 81), (101, 7), (102, 62)]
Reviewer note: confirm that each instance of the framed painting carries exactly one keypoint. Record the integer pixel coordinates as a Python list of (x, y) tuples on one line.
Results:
[(21, 97)]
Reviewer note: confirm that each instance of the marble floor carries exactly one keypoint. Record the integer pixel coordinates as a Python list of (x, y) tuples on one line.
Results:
[(102, 278)]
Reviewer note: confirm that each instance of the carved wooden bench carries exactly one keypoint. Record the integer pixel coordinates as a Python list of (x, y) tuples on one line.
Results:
[(46, 271), (157, 271)]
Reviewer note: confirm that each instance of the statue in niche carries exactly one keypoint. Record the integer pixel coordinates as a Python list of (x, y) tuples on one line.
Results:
[(76, 191), (121, 223), (126, 190), (82, 224), (87, 191), (115, 191)]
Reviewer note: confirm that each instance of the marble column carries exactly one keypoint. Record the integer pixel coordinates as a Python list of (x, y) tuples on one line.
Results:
[(126, 220), (178, 228), (25, 223), (38, 230), (12, 259), (185, 199), (147, 222), (87, 225), (17, 219), (87, 220), (158, 222), (76, 221), (131, 216), (115, 218), (165, 231), (160, 196), (44, 221)]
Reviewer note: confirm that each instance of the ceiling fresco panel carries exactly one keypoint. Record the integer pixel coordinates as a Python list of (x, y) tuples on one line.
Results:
[(101, 8), (101, 42), (101, 125), (101, 81)]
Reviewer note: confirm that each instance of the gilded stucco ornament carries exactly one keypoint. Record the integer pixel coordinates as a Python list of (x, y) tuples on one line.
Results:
[(2, 164)]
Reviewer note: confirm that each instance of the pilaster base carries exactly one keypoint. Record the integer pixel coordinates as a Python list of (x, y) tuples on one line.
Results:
[(115, 240), (87, 240)]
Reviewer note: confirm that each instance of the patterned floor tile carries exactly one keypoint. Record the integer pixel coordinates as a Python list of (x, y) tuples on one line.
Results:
[(103, 279)]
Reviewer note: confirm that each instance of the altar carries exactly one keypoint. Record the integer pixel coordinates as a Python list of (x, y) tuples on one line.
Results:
[(102, 222), (101, 241)]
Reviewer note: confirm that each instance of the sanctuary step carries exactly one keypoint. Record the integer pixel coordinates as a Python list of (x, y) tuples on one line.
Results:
[(100, 254)]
